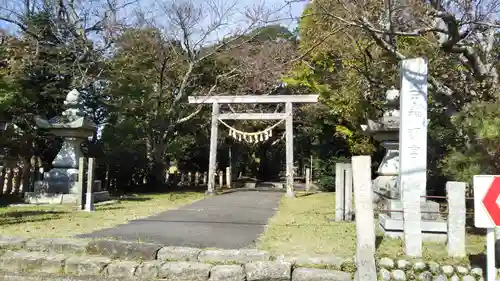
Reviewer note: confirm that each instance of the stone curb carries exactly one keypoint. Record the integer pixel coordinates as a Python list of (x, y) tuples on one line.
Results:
[(8, 276), (61, 265), (151, 256), (136, 251), (123, 250)]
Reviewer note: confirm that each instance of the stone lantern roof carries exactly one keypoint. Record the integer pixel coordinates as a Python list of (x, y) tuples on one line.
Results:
[(72, 122)]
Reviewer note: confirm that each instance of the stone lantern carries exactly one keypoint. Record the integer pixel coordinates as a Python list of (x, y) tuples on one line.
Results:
[(386, 131), (386, 187), (74, 128)]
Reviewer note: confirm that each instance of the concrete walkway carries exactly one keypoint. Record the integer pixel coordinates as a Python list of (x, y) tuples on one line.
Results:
[(228, 221)]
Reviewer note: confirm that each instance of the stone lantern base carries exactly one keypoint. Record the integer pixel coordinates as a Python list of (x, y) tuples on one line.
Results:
[(59, 180), (60, 185)]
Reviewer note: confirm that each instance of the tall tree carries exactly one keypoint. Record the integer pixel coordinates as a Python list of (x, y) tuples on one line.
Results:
[(59, 46), (156, 66), (458, 38)]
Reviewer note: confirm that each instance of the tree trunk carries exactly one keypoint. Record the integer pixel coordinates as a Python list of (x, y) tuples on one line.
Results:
[(156, 163), (159, 164)]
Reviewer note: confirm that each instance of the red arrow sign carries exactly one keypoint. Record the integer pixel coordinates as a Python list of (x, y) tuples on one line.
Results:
[(490, 201)]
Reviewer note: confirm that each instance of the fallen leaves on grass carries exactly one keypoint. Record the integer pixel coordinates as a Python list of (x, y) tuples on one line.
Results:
[(303, 225), (67, 220)]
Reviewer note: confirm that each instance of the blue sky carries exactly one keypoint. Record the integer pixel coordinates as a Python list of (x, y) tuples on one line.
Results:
[(154, 10), (279, 8)]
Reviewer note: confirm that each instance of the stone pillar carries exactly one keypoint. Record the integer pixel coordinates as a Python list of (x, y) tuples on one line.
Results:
[(365, 223), (80, 183), (221, 179), (89, 199), (308, 179), (456, 218), (339, 191), (343, 192), (348, 212), (228, 177), (413, 150), (197, 179)]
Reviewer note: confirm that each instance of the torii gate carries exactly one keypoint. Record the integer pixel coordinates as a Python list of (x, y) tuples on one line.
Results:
[(288, 116)]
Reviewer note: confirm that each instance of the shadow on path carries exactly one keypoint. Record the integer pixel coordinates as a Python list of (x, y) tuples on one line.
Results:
[(233, 220)]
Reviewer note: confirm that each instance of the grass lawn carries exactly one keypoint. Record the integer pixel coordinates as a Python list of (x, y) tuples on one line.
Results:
[(66, 221), (301, 226)]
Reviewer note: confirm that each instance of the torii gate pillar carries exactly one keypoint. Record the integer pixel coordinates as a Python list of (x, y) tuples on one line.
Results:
[(290, 191), (212, 159), (287, 99)]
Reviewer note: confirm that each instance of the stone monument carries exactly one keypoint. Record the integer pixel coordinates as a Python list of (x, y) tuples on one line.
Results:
[(413, 149), (60, 184), (387, 190)]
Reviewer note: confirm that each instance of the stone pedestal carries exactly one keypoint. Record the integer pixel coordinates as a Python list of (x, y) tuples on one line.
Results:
[(397, 205), (432, 230)]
